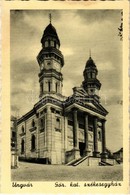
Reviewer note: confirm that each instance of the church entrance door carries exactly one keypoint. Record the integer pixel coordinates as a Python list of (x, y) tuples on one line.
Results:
[(81, 148)]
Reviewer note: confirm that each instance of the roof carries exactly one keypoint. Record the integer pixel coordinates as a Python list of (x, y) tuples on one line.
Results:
[(90, 63), (121, 150), (50, 31)]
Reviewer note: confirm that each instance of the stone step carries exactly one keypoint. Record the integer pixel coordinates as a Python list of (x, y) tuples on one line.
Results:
[(73, 161), (80, 160)]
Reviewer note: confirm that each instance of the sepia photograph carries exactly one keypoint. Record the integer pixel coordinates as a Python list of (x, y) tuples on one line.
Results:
[(66, 93), (67, 98)]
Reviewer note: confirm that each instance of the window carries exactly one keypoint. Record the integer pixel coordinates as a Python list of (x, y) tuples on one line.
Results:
[(22, 129), (81, 126), (41, 112), (70, 123), (58, 112), (93, 75), (49, 86), (33, 123), (13, 134), (56, 87), (33, 147), (46, 44), (90, 128), (57, 123), (89, 75), (42, 123), (41, 87), (22, 146), (52, 110), (99, 135), (52, 43)]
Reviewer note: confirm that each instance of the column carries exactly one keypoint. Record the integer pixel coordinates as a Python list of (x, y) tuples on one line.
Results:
[(65, 132), (104, 153), (86, 152), (65, 136), (75, 135), (75, 129), (95, 140)]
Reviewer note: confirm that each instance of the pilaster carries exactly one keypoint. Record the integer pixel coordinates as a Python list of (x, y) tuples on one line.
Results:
[(37, 135), (48, 131)]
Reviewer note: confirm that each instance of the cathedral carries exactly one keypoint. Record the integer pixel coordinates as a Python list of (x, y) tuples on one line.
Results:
[(59, 129)]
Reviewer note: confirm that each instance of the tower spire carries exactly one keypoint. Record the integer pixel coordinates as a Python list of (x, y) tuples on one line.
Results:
[(50, 17)]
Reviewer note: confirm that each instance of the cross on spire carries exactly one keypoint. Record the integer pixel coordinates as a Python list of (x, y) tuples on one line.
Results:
[(50, 17), (90, 53)]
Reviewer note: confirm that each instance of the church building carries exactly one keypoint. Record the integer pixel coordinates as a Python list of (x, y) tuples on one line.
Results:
[(61, 129)]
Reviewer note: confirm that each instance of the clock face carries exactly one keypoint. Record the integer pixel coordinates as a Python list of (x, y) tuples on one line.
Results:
[(47, 64)]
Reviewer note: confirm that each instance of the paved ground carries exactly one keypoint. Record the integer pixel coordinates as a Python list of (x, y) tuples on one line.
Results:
[(40, 172)]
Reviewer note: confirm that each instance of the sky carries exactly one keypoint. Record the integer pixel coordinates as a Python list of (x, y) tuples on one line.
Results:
[(79, 32)]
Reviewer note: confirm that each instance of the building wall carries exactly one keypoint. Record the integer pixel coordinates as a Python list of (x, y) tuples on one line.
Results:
[(20, 137), (29, 152), (54, 137)]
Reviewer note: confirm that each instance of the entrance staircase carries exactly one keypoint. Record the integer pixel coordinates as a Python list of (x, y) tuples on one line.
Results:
[(89, 161), (76, 162), (105, 164)]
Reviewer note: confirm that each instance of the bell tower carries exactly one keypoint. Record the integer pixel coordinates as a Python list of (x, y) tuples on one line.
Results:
[(91, 84), (51, 61)]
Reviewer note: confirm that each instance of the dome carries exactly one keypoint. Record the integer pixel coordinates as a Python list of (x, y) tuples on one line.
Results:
[(50, 31), (90, 63)]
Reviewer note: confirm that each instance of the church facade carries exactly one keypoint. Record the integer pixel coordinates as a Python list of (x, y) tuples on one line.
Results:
[(60, 129)]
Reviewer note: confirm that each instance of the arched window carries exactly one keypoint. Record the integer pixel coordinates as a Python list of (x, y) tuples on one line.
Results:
[(93, 75), (33, 144), (52, 43), (46, 44), (22, 146), (89, 75)]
